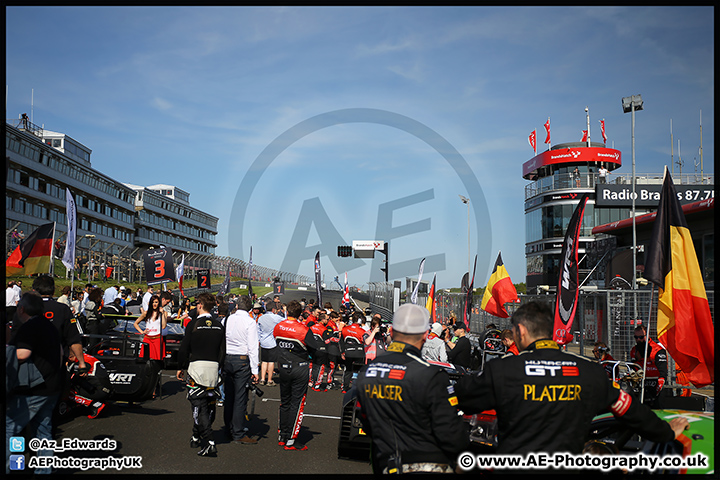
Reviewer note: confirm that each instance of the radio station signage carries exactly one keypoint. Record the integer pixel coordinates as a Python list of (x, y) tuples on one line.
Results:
[(621, 195), (574, 155)]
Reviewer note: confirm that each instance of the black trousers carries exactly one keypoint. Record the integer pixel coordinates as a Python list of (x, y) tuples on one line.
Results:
[(202, 402), (293, 391), (236, 376), (352, 365)]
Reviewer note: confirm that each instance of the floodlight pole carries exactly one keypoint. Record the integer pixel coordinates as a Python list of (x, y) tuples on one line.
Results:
[(630, 104), (466, 201)]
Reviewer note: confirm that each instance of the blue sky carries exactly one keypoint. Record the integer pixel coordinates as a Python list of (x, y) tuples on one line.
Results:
[(193, 97)]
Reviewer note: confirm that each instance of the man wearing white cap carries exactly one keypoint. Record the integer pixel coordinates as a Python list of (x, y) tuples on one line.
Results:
[(408, 405), (434, 349)]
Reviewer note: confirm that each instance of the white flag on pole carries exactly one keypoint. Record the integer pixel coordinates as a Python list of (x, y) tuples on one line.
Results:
[(70, 211)]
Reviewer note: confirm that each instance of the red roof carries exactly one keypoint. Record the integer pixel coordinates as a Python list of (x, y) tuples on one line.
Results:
[(689, 208)]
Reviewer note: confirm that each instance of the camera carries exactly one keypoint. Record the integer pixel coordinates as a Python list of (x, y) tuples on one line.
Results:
[(254, 388)]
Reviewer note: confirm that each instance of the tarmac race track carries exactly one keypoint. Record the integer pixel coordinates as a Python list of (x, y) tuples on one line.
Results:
[(159, 431)]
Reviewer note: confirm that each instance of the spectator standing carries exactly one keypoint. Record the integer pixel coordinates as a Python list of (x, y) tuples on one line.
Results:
[(268, 346), (92, 312), (146, 298), (65, 296), (11, 300), (201, 353), (111, 293), (37, 341), (460, 350), (376, 340), (240, 369), (434, 347)]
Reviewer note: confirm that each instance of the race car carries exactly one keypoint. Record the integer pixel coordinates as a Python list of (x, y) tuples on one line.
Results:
[(613, 435)]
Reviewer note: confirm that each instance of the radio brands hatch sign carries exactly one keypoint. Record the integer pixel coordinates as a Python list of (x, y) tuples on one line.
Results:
[(620, 195)]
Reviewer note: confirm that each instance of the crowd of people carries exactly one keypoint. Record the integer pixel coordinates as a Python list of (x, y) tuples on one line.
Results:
[(235, 344)]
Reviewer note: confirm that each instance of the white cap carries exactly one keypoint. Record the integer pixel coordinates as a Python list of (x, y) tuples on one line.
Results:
[(436, 329), (411, 319)]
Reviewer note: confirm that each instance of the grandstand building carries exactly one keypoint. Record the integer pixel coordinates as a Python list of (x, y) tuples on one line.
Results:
[(114, 219)]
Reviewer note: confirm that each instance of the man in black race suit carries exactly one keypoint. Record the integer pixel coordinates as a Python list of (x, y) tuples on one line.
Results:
[(407, 405), (545, 398)]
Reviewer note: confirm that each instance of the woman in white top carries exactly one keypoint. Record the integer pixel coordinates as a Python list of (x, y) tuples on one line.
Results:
[(155, 321)]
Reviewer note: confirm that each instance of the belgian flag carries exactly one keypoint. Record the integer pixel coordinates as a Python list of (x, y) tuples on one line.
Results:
[(499, 291), (684, 323), (33, 254)]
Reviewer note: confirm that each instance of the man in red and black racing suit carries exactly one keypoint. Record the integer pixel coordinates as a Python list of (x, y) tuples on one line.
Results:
[(546, 399), (92, 389), (407, 405), (656, 366), (295, 342)]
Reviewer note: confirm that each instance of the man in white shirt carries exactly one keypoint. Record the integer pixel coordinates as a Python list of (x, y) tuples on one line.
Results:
[(146, 299), (11, 300), (110, 295), (603, 174), (86, 294), (240, 369)]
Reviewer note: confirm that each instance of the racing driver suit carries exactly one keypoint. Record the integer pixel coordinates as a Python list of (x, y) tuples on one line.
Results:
[(546, 398), (407, 406)]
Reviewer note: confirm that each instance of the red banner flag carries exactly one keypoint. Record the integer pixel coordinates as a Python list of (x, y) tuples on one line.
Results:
[(547, 129), (602, 129), (684, 322), (533, 141), (584, 137), (499, 291), (33, 254), (567, 290)]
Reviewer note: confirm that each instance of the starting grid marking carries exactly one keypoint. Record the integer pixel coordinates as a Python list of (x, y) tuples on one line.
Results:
[(332, 417)]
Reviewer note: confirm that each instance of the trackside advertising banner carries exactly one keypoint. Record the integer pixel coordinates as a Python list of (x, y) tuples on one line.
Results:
[(159, 266), (567, 290)]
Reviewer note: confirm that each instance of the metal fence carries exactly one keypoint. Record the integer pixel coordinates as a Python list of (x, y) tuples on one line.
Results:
[(608, 316)]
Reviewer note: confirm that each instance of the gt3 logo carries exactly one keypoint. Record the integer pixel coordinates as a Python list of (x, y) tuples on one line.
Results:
[(541, 370)]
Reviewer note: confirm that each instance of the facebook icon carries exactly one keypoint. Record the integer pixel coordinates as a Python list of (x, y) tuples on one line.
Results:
[(17, 462)]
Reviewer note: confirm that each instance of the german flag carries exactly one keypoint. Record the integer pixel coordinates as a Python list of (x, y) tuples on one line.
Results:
[(499, 290), (33, 254), (430, 305), (684, 325)]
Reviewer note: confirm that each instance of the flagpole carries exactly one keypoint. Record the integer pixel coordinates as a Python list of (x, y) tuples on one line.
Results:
[(587, 116), (52, 251), (647, 336)]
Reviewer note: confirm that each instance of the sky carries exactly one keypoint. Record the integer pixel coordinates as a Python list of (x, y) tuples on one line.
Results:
[(306, 128)]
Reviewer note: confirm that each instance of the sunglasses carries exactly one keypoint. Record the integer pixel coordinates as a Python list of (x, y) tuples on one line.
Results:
[(639, 337)]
